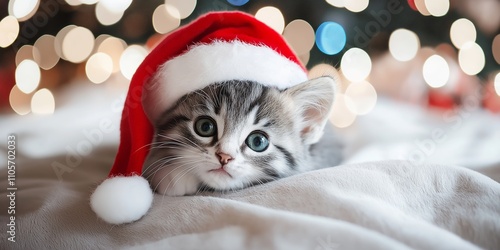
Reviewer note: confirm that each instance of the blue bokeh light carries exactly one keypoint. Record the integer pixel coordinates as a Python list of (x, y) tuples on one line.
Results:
[(330, 38), (238, 2)]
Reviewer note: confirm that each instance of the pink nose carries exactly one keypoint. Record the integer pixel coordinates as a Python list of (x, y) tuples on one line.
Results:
[(224, 158)]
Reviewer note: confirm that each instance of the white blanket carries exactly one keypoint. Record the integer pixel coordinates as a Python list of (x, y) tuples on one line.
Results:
[(375, 205)]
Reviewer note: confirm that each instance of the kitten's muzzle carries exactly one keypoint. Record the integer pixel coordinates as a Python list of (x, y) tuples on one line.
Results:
[(223, 158)]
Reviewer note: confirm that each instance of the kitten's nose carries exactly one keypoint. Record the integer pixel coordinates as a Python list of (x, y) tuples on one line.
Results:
[(224, 158)]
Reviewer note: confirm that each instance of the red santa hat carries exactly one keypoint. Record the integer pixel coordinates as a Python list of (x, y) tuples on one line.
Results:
[(217, 47)]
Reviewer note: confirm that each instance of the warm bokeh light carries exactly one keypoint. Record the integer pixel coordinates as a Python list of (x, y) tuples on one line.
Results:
[(420, 4), (27, 76), (78, 44), (45, 53), (184, 7), (304, 58), (356, 5), (336, 3), (300, 35), (99, 67), (107, 16), (9, 30), (437, 8), (271, 16), (25, 53), (323, 69), (496, 83), (461, 32), (131, 59), (360, 97), (471, 58), (495, 48), (73, 2), (355, 65), (340, 115), (43, 102), (114, 48), (19, 101), (436, 71), (166, 18), (404, 44), (23, 9), (89, 2), (117, 6), (60, 38), (330, 38)]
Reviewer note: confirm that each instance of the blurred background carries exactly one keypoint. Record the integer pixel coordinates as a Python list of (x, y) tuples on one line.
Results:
[(436, 54)]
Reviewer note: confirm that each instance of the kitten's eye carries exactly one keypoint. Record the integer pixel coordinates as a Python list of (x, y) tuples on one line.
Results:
[(205, 126), (257, 141)]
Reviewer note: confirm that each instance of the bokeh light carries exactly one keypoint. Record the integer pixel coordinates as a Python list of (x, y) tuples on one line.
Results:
[(340, 115), (436, 71), (437, 8), (184, 7), (304, 58), (323, 69), (27, 76), (23, 9), (88, 2), (360, 97), (356, 5), (271, 16), (471, 58), (495, 48), (9, 30), (107, 16), (114, 48), (43, 102), (166, 18), (420, 4), (238, 2), (356, 65), (461, 32), (496, 83), (117, 6), (336, 3), (25, 53), (60, 38), (45, 53), (99, 67), (330, 38), (404, 44), (300, 35), (19, 101), (131, 59), (77, 44)]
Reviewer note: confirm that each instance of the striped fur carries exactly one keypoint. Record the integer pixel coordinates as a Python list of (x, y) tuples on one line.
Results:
[(180, 160)]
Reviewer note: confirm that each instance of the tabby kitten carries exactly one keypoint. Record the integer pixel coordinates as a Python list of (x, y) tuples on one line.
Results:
[(236, 134)]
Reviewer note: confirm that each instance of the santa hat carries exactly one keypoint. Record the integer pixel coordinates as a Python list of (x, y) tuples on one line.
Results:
[(217, 47)]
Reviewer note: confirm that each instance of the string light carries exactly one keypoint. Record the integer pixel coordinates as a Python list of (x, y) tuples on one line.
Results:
[(9, 30), (24, 53), (99, 67), (114, 48), (27, 76), (107, 16), (272, 17), (43, 102), (60, 38), (403, 44), (44, 53), (471, 58), (356, 65), (436, 71), (19, 101)]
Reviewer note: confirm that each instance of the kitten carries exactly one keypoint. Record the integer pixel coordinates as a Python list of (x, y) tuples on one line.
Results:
[(236, 134)]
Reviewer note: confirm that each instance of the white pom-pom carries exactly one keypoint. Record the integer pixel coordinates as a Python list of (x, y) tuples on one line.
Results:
[(122, 199)]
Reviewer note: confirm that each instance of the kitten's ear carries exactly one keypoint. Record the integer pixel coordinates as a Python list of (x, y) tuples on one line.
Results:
[(313, 99)]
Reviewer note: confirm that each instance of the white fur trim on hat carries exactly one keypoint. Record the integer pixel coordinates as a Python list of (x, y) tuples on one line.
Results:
[(204, 64), (121, 199)]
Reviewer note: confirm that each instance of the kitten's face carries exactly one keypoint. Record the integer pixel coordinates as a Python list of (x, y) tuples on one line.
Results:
[(225, 137)]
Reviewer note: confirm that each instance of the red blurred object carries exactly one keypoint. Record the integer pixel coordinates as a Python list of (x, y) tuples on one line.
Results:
[(491, 100), (7, 81), (412, 5), (440, 99)]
